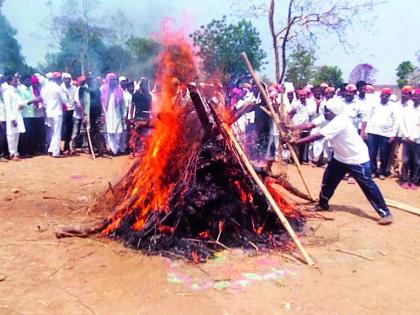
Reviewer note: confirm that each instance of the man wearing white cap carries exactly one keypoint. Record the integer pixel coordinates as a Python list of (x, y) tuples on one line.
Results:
[(13, 105), (350, 156), (54, 98)]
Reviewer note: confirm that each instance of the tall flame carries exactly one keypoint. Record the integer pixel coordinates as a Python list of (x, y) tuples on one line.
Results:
[(151, 184)]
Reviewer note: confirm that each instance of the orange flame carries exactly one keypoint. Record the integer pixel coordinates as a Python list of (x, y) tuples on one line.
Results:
[(241, 191), (285, 206), (150, 185)]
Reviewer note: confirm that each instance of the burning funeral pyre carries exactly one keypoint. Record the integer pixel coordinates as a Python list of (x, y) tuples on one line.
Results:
[(188, 194)]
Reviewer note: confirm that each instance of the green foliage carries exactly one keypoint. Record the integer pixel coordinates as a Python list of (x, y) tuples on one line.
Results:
[(76, 51), (328, 74), (219, 45), (10, 52), (301, 66), (404, 70)]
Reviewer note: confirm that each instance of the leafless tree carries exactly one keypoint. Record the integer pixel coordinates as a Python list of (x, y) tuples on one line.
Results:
[(305, 20), (363, 72)]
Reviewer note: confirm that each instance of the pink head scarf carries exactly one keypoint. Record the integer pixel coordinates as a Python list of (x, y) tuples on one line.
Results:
[(106, 91)]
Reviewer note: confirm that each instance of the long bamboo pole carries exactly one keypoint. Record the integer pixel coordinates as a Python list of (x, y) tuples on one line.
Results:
[(247, 164), (276, 119), (402, 206)]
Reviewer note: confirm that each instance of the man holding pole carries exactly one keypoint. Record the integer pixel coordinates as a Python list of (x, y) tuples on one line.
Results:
[(350, 156)]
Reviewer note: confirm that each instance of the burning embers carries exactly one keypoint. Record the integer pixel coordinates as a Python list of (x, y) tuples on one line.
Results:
[(187, 195)]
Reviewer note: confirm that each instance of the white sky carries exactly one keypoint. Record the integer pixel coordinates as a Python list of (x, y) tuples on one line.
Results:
[(393, 39)]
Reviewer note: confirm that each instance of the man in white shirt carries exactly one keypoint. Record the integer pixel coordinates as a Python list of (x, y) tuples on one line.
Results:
[(273, 137), (54, 98), (244, 126), (410, 133), (350, 156), (3, 138), (13, 105), (380, 125), (393, 165), (321, 148), (70, 91), (352, 106), (302, 110)]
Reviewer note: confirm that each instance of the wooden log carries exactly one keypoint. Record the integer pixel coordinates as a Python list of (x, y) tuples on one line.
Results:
[(243, 159), (276, 120), (402, 206)]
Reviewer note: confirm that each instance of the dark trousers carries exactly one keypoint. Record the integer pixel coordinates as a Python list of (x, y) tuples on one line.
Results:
[(302, 150), (97, 130), (379, 144), (410, 171), (3, 140), (26, 146), (362, 174), (67, 128), (39, 134)]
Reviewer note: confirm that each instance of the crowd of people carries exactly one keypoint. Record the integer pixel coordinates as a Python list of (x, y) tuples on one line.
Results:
[(389, 127), (59, 115)]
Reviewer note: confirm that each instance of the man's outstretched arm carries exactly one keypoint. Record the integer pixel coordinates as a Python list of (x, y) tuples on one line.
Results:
[(309, 139)]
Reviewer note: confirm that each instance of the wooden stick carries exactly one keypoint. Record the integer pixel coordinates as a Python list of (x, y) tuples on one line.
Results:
[(402, 206), (90, 143), (354, 254), (265, 110), (247, 164), (276, 119)]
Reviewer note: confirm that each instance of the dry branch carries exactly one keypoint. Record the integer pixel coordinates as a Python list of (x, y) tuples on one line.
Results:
[(227, 132), (402, 206), (276, 120)]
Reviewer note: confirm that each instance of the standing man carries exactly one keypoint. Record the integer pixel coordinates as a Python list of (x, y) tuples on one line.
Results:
[(81, 115), (301, 113), (38, 121), (70, 91), (274, 136), (112, 103), (96, 118), (350, 156), (14, 122), (127, 99), (3, 138), (26, 141), (352, 106), (410, 133), (393, 165), (54, 98), (380, 125)]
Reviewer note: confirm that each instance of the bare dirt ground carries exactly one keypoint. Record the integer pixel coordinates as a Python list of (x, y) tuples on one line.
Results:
[(40, 274)]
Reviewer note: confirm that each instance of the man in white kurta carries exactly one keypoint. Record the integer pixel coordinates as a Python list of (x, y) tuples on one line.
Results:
[(13, 105), (112, 101), (3, 138), (127, 99), (54, 98)]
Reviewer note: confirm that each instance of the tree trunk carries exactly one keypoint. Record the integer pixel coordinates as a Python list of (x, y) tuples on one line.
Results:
[(274, 38), (290, 22)]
